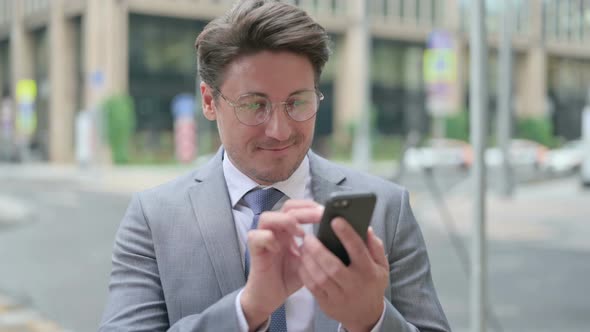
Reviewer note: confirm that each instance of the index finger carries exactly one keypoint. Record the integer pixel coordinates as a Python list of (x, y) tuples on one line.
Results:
[(297, 204)]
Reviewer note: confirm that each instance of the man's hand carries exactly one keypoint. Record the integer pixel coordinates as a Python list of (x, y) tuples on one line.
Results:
[(352, 295), (275, 259)]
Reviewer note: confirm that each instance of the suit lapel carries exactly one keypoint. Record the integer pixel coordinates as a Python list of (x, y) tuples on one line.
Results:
[(326, 178), (213, 212)]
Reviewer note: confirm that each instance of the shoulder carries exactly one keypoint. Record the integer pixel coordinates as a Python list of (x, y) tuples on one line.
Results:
[(355, 179), (167, 198)]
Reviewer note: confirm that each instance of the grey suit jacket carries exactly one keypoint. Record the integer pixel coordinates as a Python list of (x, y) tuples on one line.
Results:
[(177, 265)]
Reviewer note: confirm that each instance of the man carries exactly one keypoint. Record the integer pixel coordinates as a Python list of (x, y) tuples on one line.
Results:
[(199, 253)]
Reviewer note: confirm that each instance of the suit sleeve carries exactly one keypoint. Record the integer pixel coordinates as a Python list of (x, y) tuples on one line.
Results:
[(414, 305), (136, 300)]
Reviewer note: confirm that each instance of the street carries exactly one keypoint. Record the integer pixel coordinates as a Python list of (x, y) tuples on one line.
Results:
[(57, 261)]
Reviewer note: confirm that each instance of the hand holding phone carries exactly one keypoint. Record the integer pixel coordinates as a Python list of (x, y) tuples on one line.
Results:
[(356, 208)]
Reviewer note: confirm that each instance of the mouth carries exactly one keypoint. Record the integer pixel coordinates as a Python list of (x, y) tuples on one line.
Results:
[(276, 149)]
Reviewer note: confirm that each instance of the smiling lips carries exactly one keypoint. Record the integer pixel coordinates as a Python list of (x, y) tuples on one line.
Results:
[(276, 149)]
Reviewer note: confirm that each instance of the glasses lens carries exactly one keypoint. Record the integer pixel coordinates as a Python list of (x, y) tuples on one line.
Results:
[(303, 105), (252, 109)]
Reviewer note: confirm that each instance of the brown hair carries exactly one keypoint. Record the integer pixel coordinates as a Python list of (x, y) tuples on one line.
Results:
[(252, 26)]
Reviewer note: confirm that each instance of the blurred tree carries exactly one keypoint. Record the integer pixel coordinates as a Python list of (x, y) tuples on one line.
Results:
[(457, 126), (120, 125), (538, 129)]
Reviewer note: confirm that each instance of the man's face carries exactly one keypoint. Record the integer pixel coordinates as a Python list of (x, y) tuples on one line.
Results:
[(272, 151)]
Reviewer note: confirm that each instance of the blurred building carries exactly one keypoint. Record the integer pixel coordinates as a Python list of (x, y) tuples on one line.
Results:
[(81, 51)]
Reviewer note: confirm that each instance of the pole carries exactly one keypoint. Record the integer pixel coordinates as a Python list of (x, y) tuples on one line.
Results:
[(361, 150), (504, 111), (478, 107)]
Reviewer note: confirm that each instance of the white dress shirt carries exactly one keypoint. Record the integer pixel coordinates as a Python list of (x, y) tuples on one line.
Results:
[(299, 307)]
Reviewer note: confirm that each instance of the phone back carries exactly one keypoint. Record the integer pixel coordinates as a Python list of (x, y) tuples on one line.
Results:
[(356, 208)]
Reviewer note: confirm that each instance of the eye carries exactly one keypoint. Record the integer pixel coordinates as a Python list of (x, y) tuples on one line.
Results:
[(297, 103), (251, 106)]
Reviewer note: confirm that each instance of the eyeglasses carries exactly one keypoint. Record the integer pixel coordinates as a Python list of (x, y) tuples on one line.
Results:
[(253, 109)]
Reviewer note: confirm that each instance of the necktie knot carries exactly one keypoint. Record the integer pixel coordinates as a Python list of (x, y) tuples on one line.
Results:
[(260, 200)]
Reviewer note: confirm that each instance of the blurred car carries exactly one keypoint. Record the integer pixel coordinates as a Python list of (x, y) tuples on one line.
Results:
[(523, 154), (439, 153), (585, 171), (565, 159)]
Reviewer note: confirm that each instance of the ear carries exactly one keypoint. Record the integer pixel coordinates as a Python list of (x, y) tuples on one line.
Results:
[(208, 102)]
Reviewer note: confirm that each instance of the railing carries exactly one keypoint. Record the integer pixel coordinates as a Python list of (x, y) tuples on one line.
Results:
[(417, 13), (567, 21), (6, 12), (32, 7), (521, 16)]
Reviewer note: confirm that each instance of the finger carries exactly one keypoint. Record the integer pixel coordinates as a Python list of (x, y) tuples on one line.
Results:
[(331, 265), (260, 241), (376, 248), (294, 248), (320, 280), (280, 222), (352, 242), (309, 283), (297, 204), (307, 215)]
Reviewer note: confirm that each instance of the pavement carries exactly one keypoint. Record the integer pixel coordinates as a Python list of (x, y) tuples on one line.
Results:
[(560, 227), (16, 313), (18, 317)]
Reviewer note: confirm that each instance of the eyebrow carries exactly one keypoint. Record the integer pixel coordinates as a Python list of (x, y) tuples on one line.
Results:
[(257, 93)]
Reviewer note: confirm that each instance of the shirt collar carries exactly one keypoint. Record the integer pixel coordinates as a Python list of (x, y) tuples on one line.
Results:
[(238, 184)]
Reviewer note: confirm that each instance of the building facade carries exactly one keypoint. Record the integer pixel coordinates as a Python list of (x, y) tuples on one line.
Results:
[(81, 51)]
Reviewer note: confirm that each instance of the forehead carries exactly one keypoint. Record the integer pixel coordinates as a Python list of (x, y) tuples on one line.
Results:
[(272, 73)]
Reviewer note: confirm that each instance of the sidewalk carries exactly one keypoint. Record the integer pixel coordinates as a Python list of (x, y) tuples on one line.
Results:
[(15, 317), (124, 179)]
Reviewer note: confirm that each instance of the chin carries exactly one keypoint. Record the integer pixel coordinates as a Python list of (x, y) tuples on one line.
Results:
[(273, 177)]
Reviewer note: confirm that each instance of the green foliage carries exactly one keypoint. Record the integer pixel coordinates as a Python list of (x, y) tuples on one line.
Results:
[(119, 125), (387, 147), (457, 126), (538, 129)]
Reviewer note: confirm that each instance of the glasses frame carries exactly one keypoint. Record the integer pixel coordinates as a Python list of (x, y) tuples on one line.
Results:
[(270, 106)]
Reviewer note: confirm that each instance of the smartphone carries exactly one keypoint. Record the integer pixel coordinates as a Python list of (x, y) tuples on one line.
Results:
[(356, 208)]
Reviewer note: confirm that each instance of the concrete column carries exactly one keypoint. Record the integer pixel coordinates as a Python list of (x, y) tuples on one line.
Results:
[(533, 84), (106, 50), (349, 82), (532, 80), (62, 75), (21, 46), (342, 111), (453, 24), (106, 55)]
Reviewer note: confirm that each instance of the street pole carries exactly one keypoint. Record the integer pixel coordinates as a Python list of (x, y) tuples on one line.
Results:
[(361, 149), (504, 110), (478, 98)]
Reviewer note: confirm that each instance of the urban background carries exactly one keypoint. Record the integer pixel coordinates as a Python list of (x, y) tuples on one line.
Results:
[(80, 53), (100, 99)]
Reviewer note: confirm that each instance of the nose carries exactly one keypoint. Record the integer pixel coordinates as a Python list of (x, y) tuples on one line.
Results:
[(279, 124)]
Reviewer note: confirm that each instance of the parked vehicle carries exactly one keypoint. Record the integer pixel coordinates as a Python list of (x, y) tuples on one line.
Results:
[(566, 159), (523, 154), (439, 153), (585, 172)]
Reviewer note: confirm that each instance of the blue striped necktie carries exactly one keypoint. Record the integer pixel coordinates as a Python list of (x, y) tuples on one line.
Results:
[(260, 200)]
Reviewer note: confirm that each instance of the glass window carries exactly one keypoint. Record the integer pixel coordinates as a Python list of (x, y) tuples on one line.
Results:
[(162, 64)]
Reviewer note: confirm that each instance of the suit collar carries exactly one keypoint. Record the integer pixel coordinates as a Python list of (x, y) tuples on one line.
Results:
[(212, 208), (213, 211), (326, 178)]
